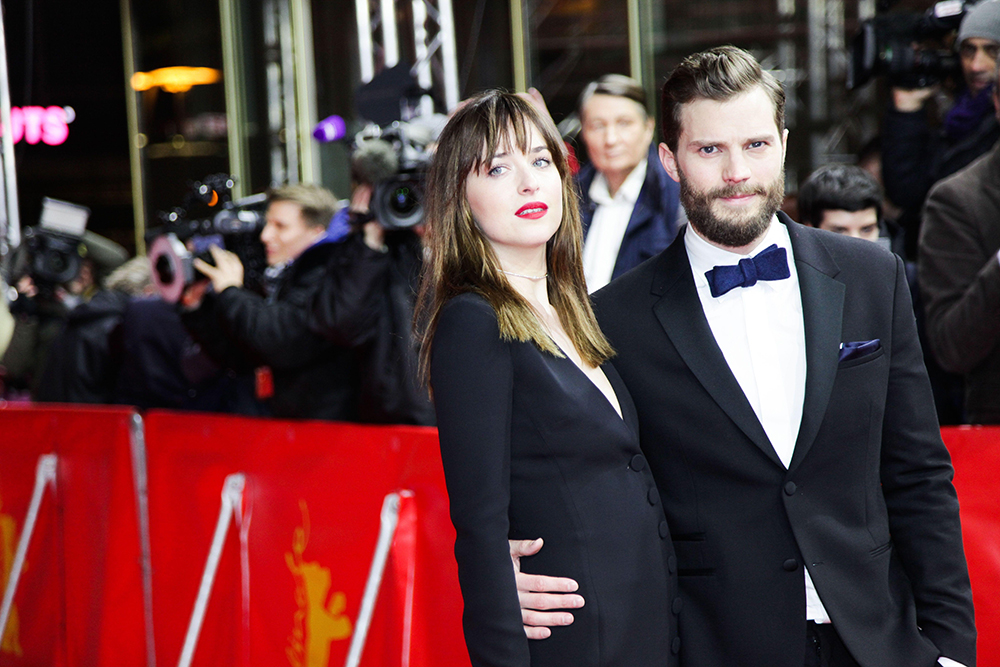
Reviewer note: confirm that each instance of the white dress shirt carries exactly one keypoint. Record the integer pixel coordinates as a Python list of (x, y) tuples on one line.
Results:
[(607, 228), (762, 336)]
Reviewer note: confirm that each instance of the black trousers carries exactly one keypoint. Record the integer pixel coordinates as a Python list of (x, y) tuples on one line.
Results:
[(824, 648)]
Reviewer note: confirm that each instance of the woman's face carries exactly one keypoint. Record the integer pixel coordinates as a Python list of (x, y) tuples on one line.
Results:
[(516, 198)]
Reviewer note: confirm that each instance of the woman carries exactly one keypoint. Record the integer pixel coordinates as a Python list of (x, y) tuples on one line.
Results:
[(538, 433)]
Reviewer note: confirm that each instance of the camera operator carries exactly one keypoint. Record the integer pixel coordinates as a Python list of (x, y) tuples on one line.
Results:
[(47, 288), (366, 300), (299, 372), (915, 156)]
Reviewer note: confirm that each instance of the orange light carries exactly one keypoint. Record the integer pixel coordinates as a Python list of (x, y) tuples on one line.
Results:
[(175, 79), (214, 200)]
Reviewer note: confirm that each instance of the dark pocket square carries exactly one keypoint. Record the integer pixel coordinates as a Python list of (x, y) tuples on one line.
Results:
[(858, 349)]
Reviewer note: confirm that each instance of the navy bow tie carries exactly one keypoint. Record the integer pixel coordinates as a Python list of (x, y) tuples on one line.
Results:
[(769, 264)]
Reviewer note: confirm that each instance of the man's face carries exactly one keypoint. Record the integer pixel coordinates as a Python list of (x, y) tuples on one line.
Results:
[(859, 224), (730, 166), (286, 234), (979, 62), (617, 133)]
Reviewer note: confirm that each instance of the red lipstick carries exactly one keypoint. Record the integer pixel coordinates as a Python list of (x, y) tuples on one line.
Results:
[(532, 210)]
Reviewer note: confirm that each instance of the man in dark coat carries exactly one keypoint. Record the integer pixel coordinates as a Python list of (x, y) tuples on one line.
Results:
[(300, 373), (629, 206), (784, 410), (960, 280), (366, 302)]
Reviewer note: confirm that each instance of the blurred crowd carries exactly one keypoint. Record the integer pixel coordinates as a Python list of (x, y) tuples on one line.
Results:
[(327, 333)]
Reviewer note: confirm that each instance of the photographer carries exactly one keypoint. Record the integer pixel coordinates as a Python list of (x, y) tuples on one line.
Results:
[(915, 156), (297, 371), (49, 284), (366, 300)]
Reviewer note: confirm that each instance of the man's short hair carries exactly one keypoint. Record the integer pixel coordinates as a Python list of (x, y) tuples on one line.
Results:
[(718, 74), (317, 203), (615, 85), (838, 187)]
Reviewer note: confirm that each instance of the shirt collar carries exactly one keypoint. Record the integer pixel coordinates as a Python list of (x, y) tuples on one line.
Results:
[(704, 256), (627, 193)]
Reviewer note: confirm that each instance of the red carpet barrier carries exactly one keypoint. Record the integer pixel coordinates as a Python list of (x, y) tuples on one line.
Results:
[(79, 599), (975, 452), (293, 568)]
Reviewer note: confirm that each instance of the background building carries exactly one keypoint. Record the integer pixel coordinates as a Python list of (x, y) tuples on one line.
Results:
[(266, 71)]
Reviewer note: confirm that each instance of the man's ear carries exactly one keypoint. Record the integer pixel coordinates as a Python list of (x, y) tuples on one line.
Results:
[(669, 162)]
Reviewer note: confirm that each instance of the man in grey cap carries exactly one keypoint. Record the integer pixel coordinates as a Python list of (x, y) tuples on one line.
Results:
[(915, 156)]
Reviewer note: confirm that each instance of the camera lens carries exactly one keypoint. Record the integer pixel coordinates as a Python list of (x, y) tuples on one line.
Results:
[(164, 269), (403, 200)]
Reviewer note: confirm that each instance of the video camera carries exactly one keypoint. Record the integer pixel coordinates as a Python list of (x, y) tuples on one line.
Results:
[(907, 48), (55, 249), (394, 159), (209, 217)]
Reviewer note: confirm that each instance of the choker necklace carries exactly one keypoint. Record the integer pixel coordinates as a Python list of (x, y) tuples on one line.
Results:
[(521, 275)]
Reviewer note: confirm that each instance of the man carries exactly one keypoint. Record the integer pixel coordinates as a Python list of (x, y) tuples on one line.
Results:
[(630, 208), (784, 411), (845, 199), (842, 199), (960, 279), (301, 373), (367, 298), (914, 156)]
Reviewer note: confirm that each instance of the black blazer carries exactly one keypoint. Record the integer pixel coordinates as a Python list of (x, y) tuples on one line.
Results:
[(867, 503), (532, 448)]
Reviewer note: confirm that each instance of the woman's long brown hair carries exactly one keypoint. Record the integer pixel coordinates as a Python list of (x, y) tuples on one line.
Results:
[(461, 258)]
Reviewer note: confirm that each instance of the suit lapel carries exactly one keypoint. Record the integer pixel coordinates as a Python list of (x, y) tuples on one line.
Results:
[(822, 313), (680, 314)]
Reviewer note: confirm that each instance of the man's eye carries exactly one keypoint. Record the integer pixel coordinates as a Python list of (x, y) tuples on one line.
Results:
[(708, 150), (757, 144)]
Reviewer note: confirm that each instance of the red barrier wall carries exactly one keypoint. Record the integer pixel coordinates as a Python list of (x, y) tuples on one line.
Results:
[(311, 512), (293, 569), (975, 452), (81, 585)]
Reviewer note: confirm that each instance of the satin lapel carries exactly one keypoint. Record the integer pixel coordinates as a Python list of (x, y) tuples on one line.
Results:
[(822, 313), (682, 317)]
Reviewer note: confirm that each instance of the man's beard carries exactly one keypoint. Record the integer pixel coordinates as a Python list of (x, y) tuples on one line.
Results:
[(733, 229)]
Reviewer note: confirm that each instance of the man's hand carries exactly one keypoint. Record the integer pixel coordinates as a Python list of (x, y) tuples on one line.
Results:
[(537, 592), (909, 100), (227, 272)]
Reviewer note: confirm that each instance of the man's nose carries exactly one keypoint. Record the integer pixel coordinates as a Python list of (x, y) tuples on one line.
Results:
[(736, 169), (982, 62)]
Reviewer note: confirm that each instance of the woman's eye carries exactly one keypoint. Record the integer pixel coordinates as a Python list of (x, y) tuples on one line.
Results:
[(495, 171), (543, 162)]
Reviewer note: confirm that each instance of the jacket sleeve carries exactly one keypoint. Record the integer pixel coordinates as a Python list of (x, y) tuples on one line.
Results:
[(275, 332), (922, 504), (347, 306), (907, 154), (472, 379), (959, 281)]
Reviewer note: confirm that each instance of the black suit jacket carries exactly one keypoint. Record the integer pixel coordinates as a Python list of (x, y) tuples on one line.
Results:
[(867, 502)]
